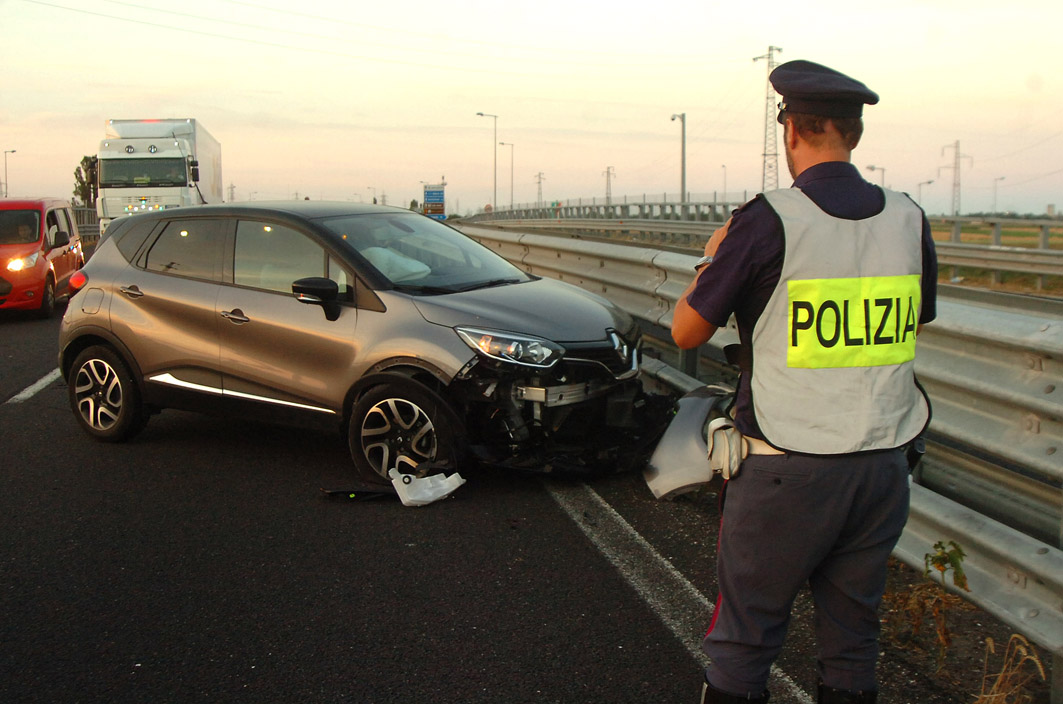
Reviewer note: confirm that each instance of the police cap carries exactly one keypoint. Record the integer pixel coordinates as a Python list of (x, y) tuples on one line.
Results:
[(810, 88)]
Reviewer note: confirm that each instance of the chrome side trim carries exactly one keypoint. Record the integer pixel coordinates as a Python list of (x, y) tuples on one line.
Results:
[(171, 380)]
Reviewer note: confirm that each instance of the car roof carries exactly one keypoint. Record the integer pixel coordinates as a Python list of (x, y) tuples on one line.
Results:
[(308, 209), (32, 203)]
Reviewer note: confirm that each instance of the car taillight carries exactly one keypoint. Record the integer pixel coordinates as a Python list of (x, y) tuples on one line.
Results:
[(77, 281)]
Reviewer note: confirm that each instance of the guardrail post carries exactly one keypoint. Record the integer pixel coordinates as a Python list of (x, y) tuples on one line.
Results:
[(995, 275), (957, 228), (688, 361), (1043, 244)]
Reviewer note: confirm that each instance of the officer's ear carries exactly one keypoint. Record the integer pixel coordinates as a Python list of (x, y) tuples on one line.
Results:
[(789, 133)]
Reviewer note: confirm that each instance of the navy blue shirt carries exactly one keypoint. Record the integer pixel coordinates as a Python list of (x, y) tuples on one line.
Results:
[(748, 263)]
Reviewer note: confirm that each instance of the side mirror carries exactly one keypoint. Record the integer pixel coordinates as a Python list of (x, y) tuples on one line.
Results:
[(194, 167), (62, 239), (319, 291)]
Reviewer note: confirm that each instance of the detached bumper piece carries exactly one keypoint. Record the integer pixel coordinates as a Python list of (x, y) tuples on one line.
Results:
[(420, 491), (680, 464)]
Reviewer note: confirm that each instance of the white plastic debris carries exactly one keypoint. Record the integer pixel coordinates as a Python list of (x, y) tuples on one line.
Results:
[(418, 491)]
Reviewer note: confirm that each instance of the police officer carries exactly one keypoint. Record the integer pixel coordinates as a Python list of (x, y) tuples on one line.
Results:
[(829, 282)]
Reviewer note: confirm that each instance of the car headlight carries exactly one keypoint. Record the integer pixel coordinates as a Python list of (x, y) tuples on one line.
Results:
[(23, 262), (517, 349)]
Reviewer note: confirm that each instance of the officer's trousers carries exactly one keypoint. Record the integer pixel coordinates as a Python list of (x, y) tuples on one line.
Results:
[(791, 520)]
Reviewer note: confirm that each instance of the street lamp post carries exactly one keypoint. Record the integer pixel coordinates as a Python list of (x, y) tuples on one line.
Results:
[(682, 116), (918, 189), (511, 150), (995, 181), (373, 189), (494, 146), (724, 167), (879, 168), (7, 186)]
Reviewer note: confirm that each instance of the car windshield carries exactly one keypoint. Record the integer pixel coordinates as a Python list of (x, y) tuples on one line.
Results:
[(19, 226), (419, 255), (121, 173)]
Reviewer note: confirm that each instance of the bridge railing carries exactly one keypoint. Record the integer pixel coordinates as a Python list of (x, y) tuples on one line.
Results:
[(993, 368)]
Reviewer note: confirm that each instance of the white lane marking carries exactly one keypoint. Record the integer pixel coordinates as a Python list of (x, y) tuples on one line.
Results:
[(32, 389), (685, 611)]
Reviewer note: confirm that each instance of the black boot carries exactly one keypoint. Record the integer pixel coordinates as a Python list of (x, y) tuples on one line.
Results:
[(830, 695), (711, 695)]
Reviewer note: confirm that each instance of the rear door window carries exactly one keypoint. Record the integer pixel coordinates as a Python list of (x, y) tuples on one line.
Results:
[(189, 248), (65, 222)]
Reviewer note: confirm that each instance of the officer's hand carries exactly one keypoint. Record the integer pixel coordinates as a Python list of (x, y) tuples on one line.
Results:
[(717, 237)]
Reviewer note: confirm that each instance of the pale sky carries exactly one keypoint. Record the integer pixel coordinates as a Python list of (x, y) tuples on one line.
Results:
[(341, 100)]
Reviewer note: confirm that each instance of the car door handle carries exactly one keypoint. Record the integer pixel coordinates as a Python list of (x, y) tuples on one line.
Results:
[(236, 315), (132, 291)]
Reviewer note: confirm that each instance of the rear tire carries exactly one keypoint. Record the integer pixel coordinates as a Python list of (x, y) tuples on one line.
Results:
[(400, 424), (104, 395)]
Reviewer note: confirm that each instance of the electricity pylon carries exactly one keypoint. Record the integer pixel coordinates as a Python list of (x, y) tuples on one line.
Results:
[(770, 180)]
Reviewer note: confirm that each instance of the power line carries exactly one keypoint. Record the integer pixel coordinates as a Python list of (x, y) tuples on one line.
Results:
[(1034, 178), (1024, 149), (537, 59), (428, 35)]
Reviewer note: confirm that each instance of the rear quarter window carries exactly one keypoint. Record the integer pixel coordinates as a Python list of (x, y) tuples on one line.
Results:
[(129, 239)]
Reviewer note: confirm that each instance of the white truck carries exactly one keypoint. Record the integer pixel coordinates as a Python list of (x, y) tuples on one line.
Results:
[(156, 164)]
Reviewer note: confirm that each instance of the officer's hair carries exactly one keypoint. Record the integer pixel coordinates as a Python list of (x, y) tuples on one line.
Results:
[(809, 126)]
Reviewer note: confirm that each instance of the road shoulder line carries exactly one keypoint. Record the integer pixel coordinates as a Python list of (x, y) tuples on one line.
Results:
[(683, 609), (32, 389)]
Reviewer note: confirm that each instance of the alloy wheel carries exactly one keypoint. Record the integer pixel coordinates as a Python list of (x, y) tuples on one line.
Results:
[(98, 393), (397, 434)]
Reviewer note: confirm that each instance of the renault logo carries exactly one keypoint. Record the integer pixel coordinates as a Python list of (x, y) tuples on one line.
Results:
[(619, 346)]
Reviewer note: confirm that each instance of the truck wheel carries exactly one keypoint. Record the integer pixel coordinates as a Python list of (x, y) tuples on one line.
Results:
[(398, 425), (104, 396)]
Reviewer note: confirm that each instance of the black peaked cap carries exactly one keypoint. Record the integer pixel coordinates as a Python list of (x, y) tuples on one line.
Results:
[(811, 88)]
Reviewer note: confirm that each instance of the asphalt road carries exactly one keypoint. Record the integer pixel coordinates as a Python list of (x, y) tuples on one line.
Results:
[(200, 562)]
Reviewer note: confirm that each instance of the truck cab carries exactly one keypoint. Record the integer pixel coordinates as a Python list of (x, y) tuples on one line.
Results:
[(146, 165)]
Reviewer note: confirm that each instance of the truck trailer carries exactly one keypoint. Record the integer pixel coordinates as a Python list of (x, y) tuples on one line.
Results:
[(156, 164)]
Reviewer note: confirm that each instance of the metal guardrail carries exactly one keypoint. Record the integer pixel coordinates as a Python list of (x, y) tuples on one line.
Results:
[(88, 227), (992, 367), (693, 233), (1016, 578)]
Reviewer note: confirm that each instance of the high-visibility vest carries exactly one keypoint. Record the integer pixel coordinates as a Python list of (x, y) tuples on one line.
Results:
[(834, 350)]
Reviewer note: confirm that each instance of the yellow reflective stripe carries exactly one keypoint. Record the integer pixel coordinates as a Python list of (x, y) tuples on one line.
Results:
[(860, 322)]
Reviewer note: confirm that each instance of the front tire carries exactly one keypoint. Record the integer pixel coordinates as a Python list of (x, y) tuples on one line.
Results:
[(104, 395), (401, 424), (47, 309)]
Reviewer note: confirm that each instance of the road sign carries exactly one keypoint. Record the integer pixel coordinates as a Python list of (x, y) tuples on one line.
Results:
[(434, 201)]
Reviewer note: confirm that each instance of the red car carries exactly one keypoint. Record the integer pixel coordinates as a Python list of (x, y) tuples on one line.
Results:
[(39, 249)]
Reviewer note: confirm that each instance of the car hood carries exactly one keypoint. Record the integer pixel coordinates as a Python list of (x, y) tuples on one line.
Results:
[(551, 309), (14, 251)]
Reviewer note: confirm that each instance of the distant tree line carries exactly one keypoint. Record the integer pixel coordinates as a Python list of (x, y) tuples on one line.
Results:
[(85, 183)]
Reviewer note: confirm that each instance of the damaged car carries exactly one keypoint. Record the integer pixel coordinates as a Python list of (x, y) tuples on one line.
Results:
[(423, 347)]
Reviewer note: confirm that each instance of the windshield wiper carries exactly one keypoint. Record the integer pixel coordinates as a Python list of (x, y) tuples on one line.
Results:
[(413, 288), (490, 283)]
